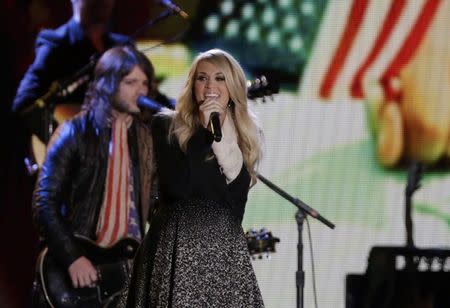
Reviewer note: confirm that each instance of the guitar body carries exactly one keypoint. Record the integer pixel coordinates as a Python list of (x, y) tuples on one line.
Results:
[(112, 264), (260, 242), (61, 113)]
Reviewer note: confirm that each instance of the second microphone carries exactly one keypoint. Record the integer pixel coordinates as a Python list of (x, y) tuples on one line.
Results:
[(214, 126)]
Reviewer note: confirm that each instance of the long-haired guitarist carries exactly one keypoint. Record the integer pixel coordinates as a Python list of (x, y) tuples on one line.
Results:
[(96, 178)]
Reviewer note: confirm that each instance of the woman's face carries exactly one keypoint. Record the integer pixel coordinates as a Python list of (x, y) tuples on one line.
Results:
[(210, 83)]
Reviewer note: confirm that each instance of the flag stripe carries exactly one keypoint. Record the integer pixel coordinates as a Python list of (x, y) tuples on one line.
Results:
[(390, 21), (119, 199), (358, 11), (113, 223), (109, 196), (408, 47)]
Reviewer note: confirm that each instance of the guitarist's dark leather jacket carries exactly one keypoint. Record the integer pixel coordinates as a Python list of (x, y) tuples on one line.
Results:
[(69, 191)]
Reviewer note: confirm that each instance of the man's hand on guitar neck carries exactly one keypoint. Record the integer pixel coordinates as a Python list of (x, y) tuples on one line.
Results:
[(82, 273)]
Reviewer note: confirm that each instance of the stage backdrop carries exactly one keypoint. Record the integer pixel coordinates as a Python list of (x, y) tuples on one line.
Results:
[(365, 90)]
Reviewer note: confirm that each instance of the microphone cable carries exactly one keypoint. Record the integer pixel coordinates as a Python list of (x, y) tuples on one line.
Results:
[(313, 269), (175, 38), (166, 13)]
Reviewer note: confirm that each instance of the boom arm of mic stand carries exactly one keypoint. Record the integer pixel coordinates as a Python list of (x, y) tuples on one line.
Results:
[(297, 202), (166, 13), (299, 217)]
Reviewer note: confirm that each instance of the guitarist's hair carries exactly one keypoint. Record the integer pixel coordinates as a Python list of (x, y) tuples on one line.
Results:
[(111, 68)]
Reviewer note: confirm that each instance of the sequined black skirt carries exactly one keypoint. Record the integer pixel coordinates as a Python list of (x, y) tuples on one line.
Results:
[(194, 255)]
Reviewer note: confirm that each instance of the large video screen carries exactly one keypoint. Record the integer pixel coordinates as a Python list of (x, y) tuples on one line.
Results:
[(364, 94)]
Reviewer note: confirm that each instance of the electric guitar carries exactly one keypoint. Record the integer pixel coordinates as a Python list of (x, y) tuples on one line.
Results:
[(261, 87), (61, 113), (260, 243), (113, 265)]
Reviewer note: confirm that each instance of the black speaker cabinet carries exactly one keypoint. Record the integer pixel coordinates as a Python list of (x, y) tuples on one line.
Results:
[(401, 277)]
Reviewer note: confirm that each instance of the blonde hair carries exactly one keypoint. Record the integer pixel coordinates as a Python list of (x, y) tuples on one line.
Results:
[(186, 118)]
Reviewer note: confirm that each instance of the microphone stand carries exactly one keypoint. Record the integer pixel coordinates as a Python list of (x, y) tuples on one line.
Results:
[(164, 14), (303, 209)]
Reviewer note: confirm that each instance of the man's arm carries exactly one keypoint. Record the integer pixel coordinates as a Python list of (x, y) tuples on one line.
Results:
[(37, 79), (35, 83), (52, 187)]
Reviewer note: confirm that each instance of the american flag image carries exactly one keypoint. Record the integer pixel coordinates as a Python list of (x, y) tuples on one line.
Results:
[(384, 52), (360, 40)]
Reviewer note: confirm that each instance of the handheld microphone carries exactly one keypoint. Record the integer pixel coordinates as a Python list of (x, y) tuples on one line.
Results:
[(214, 125), (175, 8), (144, 101)]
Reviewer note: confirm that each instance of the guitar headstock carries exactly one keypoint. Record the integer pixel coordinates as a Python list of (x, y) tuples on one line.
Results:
[(415, 173), (260, 243), (261, 87)]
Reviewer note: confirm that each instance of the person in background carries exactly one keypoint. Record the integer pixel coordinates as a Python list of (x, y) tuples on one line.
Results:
[(60, 55), (195, 253)]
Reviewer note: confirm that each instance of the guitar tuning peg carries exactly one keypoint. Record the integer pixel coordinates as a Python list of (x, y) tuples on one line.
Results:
[(264, 81), (263, 255)]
